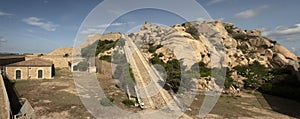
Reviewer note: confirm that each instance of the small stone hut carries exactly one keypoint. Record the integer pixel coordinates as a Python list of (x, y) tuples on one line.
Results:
[(31, 69)]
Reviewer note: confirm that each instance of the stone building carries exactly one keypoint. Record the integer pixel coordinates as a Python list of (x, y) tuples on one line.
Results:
[(61, 57), (31, 69)]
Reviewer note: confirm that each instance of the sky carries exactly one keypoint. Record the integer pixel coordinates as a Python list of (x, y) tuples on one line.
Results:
[(40, 26)]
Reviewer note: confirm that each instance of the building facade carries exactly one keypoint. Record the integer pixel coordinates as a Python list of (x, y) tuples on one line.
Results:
[(31, 69)]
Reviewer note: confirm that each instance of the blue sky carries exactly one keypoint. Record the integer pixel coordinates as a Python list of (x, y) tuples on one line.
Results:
[(28, 26)]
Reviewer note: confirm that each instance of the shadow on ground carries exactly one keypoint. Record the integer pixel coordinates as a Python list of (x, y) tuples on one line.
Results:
[(284, 106)]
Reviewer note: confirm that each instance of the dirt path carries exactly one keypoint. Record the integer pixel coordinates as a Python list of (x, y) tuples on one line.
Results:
[(246, 106), (58, 98)]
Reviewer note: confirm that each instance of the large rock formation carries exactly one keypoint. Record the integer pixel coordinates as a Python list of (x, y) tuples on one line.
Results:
[(212, 42), (204, 41)]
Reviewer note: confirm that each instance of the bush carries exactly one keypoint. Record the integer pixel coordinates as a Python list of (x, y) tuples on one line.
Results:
[(203, 70), (106, 101), (125, 75), (128, 102), (228, 82), (229, 29), (104, 46), (83, 65), (89, 51), (106, 58), (118, 57), (267, 87), (153, 48), (251, 84), (120, 42), (243, 48), (172, 68), (193, 31), (156, 60)]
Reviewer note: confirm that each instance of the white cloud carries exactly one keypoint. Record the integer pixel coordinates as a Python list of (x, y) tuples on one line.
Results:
[(211, 2), (91, 30), (46, 25), (289, 33), (200, 19), (107, 25), (284, 30), (2, 39), (5, 14), (250, 12), (99, 28), (295, 50)]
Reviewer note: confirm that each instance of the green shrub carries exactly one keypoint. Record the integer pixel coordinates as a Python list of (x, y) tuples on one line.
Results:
[(229, 29), (153, 48), (100, 47), (89, 51), (128, 102), (251, 84), (83, 65), (118, 57), (203, 70), (228, 82), (104, 46), (243, 48), (193, 31), (106, 58), (156, 60), (172, 68), (267, 87), (106, 101), (120, 42), (125, 75)]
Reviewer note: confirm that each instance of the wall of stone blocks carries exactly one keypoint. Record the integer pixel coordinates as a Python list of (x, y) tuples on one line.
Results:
[(29, 72)]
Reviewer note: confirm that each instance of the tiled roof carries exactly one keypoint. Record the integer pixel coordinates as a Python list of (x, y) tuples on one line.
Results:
[(62, 51), (33, 62)]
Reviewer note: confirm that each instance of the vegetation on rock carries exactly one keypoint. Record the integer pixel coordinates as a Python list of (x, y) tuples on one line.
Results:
[(107, 101), (128, 102), (193, 31)]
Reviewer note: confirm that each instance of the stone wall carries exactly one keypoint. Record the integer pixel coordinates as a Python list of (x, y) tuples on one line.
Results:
[(29, 72), (4, 101), (10, 59)]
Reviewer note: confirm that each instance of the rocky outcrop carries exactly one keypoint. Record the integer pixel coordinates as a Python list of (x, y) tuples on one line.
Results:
[(212, 42), (285, 52)]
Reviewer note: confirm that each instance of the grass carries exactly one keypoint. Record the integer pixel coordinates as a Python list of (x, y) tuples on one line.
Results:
[(227, 107)]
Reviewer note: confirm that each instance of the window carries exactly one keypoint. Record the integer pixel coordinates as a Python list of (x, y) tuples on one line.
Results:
[(40, 74), (75, 68), (18, 74)]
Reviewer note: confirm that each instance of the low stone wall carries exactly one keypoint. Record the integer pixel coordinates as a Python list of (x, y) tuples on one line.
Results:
[(26, 112), (4, 101), (29, 72)]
